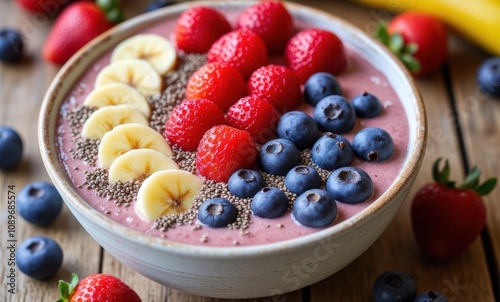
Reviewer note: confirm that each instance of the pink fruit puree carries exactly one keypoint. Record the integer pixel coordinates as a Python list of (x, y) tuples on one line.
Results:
[(360, 76)]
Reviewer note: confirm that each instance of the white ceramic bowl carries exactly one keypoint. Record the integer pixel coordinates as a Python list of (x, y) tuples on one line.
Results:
[(239, 272)]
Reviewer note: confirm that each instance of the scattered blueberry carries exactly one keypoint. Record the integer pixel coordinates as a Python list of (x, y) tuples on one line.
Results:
[(278, 156), (217, 212), (320, 85), (315, 208), (366, 105), (335, 114), (430, 296), (488, 76), (350, 185), (157, 4), (270, 202), (11, 46), (373, 144), (39, 257), (39, 203), (245, 183), (299, 128), (11, 148), (393, 286), (302, 178), (331, 152)]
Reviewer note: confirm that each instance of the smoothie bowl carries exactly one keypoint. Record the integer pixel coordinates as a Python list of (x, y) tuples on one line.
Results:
[(157, 207)]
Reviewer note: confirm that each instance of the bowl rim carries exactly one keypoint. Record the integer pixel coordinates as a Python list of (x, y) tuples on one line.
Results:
[(58, 176)]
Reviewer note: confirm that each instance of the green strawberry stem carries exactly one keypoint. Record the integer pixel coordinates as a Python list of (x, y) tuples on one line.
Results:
[(112, 10), (395, 43), (471, 181), (66, 289)]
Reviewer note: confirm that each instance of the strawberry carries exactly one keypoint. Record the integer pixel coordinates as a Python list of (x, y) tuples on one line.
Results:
[(314, 50), (198, 28), (419, 40), (48, 7), (244, 50), (223, 150), (190, 120), (77, 24), (277, 84), (255, 115), (97, 287), (222, 84), (271, 21), (446, 219)]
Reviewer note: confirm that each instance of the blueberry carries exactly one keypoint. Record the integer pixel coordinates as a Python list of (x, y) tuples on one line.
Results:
[(350, 185), (315, 208), (270, 202), (39, 257), (335, 114), (299, 128), (278, 156), (244, 183), (373, 144), (11, 46), (394, 285), (320, 85), (11, 148), (488, 76), (366, 105), (157, 4), (430, 296), (39, 203), (331, 152), (217, 212), (302, 178)]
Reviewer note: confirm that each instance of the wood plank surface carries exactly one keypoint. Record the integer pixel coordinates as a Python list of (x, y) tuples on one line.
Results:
[(466, 278)]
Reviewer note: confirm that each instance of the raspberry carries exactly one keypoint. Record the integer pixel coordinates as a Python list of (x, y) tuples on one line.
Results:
[(277, 84), (198, 28), (244, 50), (255, 115), (190, 120), (315, 50), (271, 21), (217, 82), (224, 150)]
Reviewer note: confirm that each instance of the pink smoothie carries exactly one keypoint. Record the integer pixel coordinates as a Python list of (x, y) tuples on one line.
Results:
[(360, 76)]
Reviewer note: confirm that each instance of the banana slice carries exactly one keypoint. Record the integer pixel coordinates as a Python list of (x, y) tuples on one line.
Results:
[(136, 73), (128, 137), (167, 192), (155, 49), (116, 94), (106, 118), (139, 164)]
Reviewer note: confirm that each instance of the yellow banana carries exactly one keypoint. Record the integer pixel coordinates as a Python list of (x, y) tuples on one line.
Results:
[(478, 20)]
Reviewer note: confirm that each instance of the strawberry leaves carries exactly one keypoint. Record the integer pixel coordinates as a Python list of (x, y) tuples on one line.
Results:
[(471, 181), (67, 288), (397, 46)]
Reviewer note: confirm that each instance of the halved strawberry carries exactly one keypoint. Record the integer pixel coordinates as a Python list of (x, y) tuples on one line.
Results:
[(244, 50), (198, 28), (190, 120), (223, 150)]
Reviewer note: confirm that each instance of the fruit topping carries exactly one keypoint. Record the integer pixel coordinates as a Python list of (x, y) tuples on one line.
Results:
[(278, 156), (167, 192), (157, 4), (11, 148), (488, 76), (39, 257), (332, 151), (302, 178), (224, 150), (320, 85), (299, 128), (366, 105), (190, 120), (11, 46), (217, 212), (39, 203), (430, 296), (270, 202), (315, 208), (335, 114), (245, 183), (394, 285), (350, 185), (373, 144)]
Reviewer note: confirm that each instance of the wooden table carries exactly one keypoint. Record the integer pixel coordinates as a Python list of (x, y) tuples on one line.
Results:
[(464, 126)]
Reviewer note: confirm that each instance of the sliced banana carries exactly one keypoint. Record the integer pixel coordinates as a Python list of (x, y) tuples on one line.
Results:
[(128, 137), (136, 73), (167, 192), (139, 164), (106, 118), (117, 94), (155, 49)]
